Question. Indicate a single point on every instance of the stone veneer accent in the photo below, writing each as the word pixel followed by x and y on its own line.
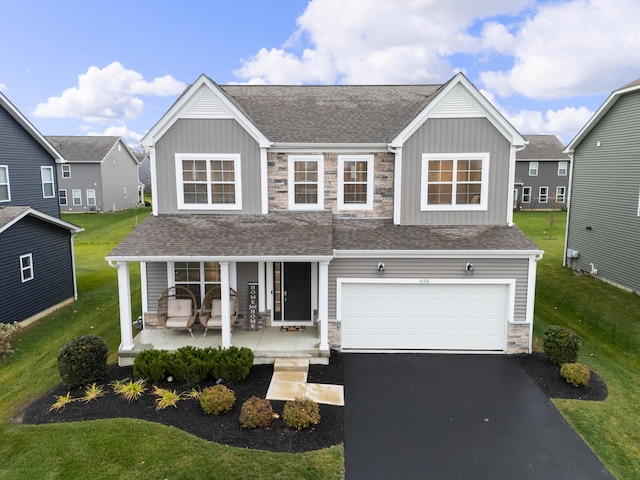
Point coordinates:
pixel 278 174
pixel 518 337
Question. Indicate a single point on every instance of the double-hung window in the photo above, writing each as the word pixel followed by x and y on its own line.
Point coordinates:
pixel 306 182
pixel 355 182
pixel 562 169
pixel 62 197
pixel 91 197
pixel 454 181
pixel 543 197
pixel 533 169
pixel 66 171
pixel 26 267
pixel 526 194
pixel 47 182
pixel 560 194
pixel 76 196
pixel 208 181
pixel 5 191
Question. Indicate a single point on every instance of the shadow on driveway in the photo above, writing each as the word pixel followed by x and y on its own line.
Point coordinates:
pixel 447 416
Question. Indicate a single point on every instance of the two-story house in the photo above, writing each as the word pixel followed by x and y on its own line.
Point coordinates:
pixel 542 174
pixel 100 174
pixel 36 246
pixel 379 217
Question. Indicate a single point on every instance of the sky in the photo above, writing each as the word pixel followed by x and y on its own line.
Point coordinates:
pixel 114 68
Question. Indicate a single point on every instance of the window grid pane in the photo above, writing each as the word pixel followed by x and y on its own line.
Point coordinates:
pixel 305 182
pixel 223 187
pixel 355 182
pixel 466 189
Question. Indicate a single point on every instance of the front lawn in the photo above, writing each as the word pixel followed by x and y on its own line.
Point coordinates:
pixel 608 322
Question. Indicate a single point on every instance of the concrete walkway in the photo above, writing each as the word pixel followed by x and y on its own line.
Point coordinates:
pixel 289 382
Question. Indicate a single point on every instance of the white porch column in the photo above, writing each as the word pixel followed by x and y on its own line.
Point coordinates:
pixel 270 286
pixel 124 299
pixel 226 305
pixel 323 304
pixel 262 288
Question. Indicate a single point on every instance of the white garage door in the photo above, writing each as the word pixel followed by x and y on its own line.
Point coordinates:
pixel 383 316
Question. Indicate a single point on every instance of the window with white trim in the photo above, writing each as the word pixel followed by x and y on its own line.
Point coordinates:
pixel 26 267
pixel 543 196
pixel 62 197
pixel 306 182
pixel 5 190
pixel 562 169
pixel 76 196
pixel 124 192
pixel 533 169
pixel 66 171
pixel 454 181
pixel 560 194
pixel 46 174
pixel 515 194
pixel 355 182
pixel 199 277
pixel 526 194
pixel 91 197
pixel 208 181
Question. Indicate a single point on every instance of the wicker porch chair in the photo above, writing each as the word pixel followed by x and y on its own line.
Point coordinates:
pixel 211 309
pixel 177 309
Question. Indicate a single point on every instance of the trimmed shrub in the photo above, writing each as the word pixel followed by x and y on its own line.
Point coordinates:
pixel 83 361
pixel 576 374
pixel 233 364
pixel 189 364
pixel 561 344
pixel 216 400
pixel 7 330
pixel 152 365
pixel 256 413
pixel 301 413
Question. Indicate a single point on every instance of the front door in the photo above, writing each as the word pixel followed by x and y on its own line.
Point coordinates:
pixel 292 285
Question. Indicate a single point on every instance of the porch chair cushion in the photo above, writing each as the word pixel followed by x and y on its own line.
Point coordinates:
pixel 179 307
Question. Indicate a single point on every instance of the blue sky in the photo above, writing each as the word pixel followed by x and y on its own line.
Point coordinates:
pixel 79 68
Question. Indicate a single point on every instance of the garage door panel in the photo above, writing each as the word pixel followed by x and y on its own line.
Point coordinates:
pixel 416 316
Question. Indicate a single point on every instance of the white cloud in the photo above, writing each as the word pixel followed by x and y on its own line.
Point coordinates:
pixel 3 87
pixel 130 137
pixel 107 94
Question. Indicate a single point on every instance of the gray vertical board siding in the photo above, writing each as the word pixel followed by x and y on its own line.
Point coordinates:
pixel 508 268
pixel 156 283
pixel 207 136
pixel 547 177
pixel 246 272
pixel 52 284
pixel 604 196
pixel 118 171
pixel 24 157
pixel 457 135
pixel 83 176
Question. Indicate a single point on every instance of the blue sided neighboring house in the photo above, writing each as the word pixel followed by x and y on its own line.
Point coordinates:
pixel 36 246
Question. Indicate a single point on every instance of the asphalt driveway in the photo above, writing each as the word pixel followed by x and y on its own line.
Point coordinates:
pixel 446 416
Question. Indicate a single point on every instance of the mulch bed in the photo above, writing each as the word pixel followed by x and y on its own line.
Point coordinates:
pixel 225 428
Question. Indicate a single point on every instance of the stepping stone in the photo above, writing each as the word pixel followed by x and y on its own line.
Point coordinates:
pixel 327 394
pixel 291 365
pixel 287 386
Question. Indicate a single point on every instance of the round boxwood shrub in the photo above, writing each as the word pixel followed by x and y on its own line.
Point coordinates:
pixel 256 413
pixel 216 400
pixel 561 344
pixel 576 374
pixel 233 364
pixel 301 413
pixel 83 361
pixel 152 365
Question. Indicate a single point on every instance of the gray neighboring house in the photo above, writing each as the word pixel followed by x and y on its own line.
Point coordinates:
pixel 100 174
pixel 542 174
pixel 603 225
pixel 379 217
pixel 144 171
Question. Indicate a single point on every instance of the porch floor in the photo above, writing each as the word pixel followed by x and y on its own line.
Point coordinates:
pixel 267 343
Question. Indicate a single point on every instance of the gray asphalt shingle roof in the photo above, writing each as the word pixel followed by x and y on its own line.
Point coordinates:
pixel 9 214
pixel 91 149
pixel 542 147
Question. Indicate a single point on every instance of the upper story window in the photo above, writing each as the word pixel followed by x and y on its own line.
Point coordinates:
pixel 26 267
pixel 533 169
pixel 5 191
pixel 562 169
pixel 306 182
pixel 454 181
pixel 62 197
pixel 355 182
pixel 208 181
pixel 66 171
pixel 47 182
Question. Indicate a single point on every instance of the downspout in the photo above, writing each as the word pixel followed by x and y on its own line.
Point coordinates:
pixel 73 267
pixel 566 232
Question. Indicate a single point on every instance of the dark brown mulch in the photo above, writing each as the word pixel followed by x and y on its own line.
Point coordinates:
pixel 225 429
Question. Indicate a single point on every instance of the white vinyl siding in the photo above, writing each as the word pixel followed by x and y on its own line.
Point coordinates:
pixel 62 197
pixel 454 181
pixel 562 169
pixel 533 169
pixel 26 267
pixel 526 194
pixel 560 194
pixel 543 196
pixel 5 190
pixel 355 182
pixel 76 195
pixel 208 181
pixel 46 174
pixel 306 182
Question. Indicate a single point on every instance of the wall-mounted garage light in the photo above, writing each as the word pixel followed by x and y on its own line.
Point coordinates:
pixel 380 268
pixel 469 268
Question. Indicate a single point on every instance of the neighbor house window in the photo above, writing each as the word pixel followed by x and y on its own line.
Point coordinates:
pixel 562 169
pixel 47 182
pixel 76 196
pixel 355 182
pixel 66 171
pixel 26 267
pixel 560 194
pixel 544 195
pixel 306 182
pixel 62 197
pixel 199 277
pixel 91 197
pixel 124 192
pixel 454 181
pixel 5 191
pixel 209 181
pixel 533 169
pixel 526 194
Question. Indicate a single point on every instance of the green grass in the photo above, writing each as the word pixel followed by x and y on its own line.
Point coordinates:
pixel 119 448
pixel 608 322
